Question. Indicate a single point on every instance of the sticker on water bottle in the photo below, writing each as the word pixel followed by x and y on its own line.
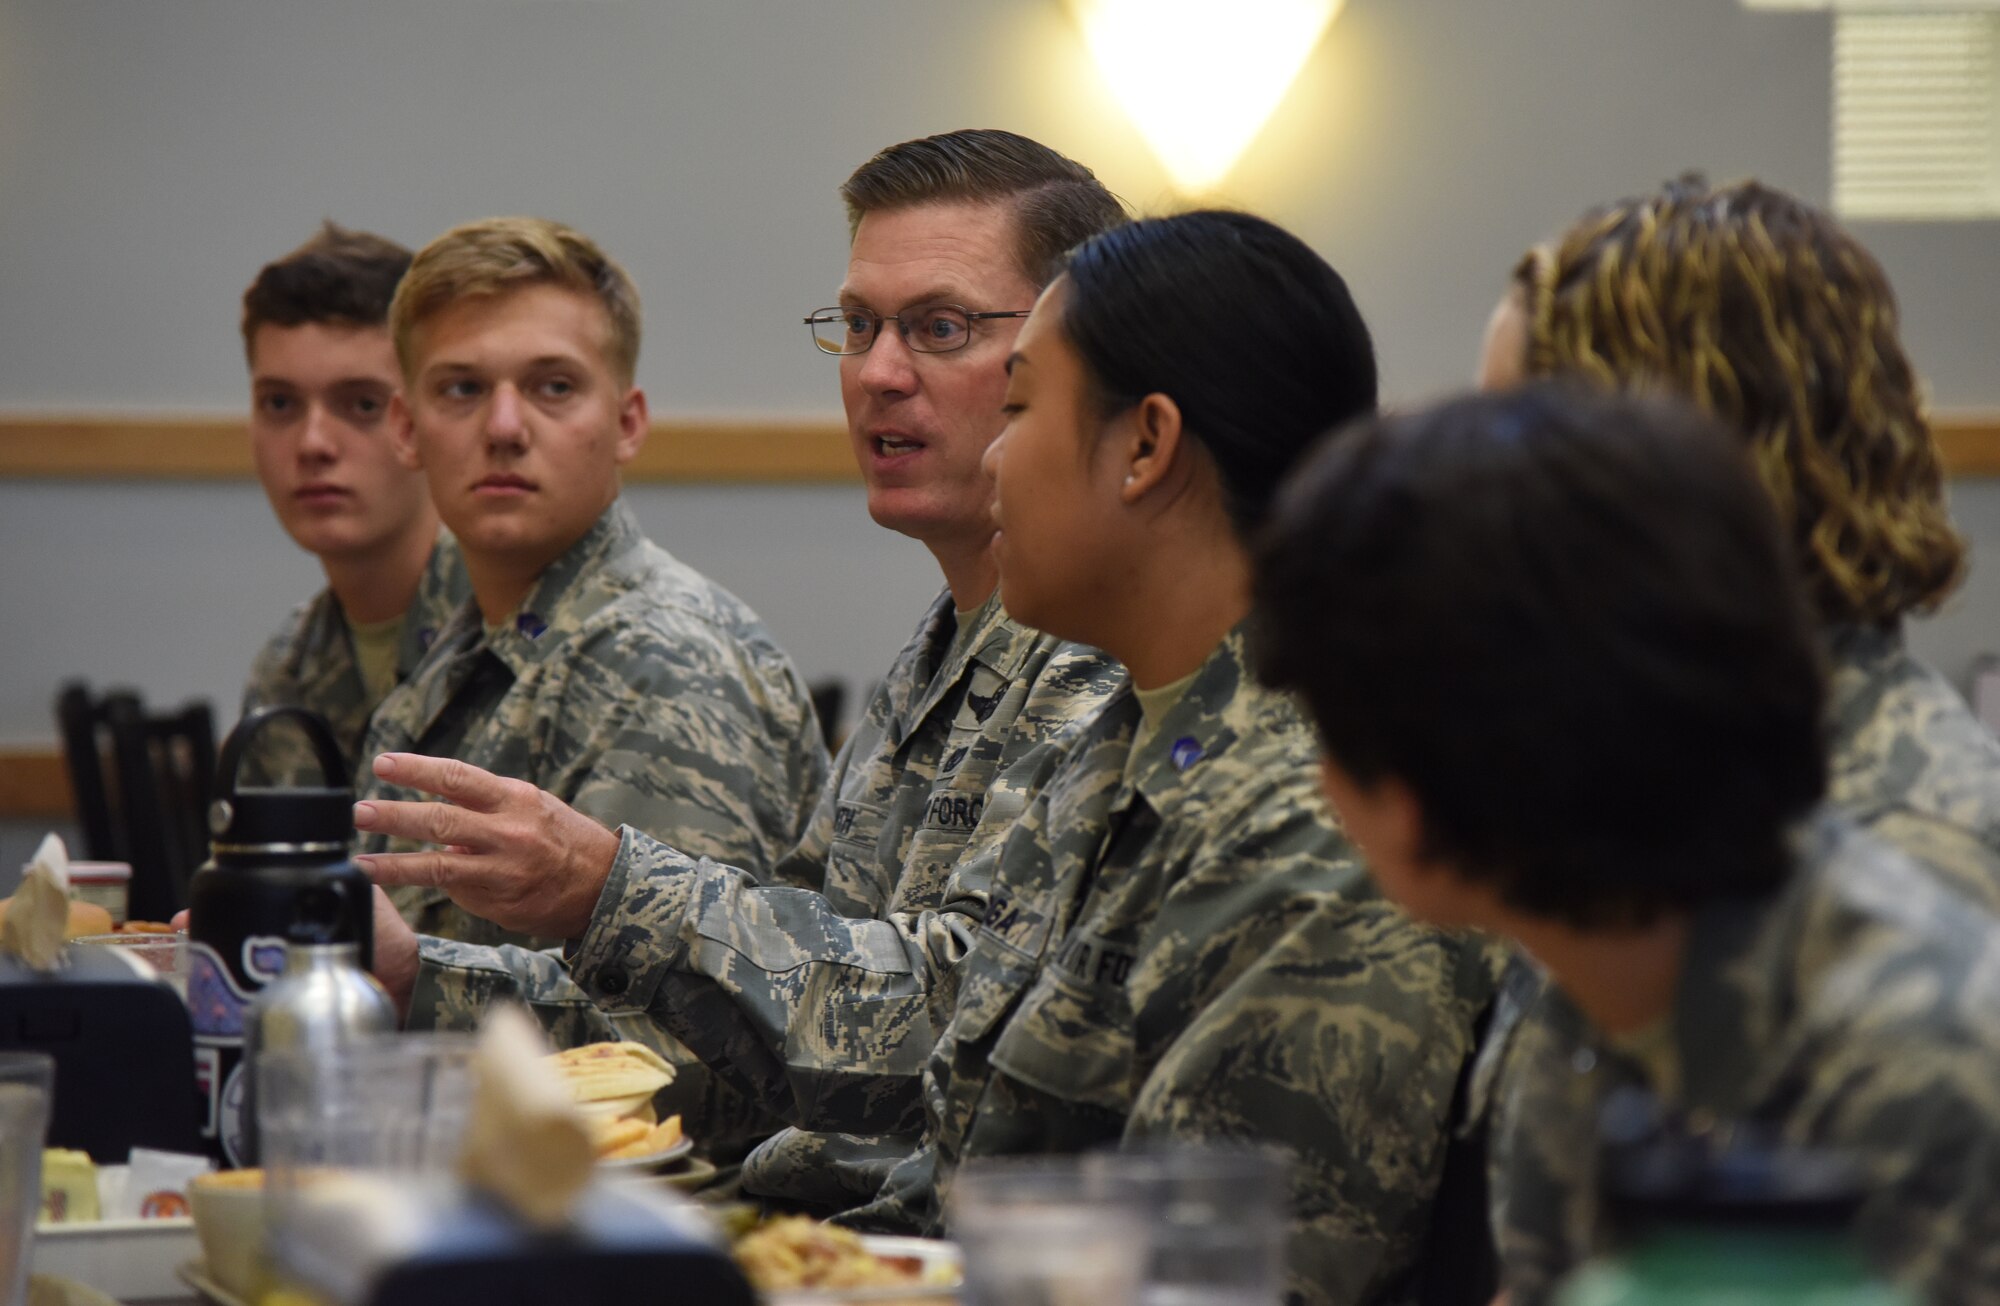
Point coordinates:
pixel 235 1118
pixel 264 958
pixel 207 1078
pixel 218 1006
pixel 216 1002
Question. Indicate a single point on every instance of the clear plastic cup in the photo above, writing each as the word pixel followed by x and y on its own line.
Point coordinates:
pixel 393 1106
pixel 1217 1217
pixel 394 1103
pixel 1037 1232
pixel 167 954
pixel 27 1089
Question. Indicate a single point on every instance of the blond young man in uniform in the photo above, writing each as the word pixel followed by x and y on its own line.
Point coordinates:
pixel 590 669
pixel 322 372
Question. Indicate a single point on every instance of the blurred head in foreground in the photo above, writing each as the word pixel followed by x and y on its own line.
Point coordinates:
pixel 1552 645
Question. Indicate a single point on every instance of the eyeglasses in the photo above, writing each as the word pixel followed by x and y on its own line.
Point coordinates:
pixel 935 330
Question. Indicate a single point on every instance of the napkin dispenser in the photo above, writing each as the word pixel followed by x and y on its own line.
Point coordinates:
pixel 123 1047
pixel 360 1241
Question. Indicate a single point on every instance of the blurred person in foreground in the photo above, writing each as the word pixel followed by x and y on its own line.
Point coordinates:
pixel 1181 944
pixel 322 371
pixel 1772 317
pixel 1554 647
pixel 590 666
pixel 813 983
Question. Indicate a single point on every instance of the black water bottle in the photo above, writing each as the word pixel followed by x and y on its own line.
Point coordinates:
pixel 279 870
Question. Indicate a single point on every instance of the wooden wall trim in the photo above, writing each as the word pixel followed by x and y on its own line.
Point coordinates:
pixel 34 786
pixel 216 448
pixel 678 452
pixel 1970 443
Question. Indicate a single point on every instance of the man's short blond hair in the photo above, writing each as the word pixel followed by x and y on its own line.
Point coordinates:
pixel 495 256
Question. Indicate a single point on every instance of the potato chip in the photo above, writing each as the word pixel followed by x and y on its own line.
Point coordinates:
pixel 651 1143
pixel 609 1136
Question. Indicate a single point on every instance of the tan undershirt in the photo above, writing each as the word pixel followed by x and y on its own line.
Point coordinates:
pixel 375 644
pixel 963 634
pixel 1154 704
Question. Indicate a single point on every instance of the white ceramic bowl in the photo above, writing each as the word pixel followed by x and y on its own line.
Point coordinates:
pixel 229 1220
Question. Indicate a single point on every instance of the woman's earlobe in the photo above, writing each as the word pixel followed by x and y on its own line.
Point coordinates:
pixel 1155 440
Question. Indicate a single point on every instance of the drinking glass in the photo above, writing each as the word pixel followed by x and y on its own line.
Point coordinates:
pixel 27 1088
pixel 1216 1218
pixel 394 1106
pixel 1035 1234
pixel 395 1102
pixel 167 954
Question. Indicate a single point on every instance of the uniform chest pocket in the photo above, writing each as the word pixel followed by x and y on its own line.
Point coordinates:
pixel 989 983
pixel 940 842
pixel 1071 1041
pixel 857 828
pixel 959 793
pixel 951 815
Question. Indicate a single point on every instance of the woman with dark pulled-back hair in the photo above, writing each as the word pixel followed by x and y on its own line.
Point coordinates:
pixel 1181 944
pixel 1771 316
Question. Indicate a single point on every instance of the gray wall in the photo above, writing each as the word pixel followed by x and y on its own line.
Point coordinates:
pixel 154 152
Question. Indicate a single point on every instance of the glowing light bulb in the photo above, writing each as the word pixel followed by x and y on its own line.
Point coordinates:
pixel 1201 77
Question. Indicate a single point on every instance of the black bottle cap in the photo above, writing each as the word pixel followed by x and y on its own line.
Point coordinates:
pixel 302 819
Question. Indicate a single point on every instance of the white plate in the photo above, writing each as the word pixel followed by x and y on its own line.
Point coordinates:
pixel 121 1258
pixel 942 1262
pixel 649 1163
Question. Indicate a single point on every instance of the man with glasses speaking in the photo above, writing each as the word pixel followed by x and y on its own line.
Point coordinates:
pixel 811 989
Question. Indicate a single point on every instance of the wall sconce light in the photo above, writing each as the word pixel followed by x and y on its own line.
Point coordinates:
pixel 1201 77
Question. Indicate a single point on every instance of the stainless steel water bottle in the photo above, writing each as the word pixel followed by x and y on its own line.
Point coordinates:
pixel 279 873
pixel 323 1002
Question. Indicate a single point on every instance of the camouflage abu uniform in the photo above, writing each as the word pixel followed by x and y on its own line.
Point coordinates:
pixel 1181 945
pixel 1859 1008
pixel 627 685
pixel 1910 762
pixel 788 991
pixel 310 663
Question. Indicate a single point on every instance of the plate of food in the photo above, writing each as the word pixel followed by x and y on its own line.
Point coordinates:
pixel 794 1260
pixel 613 1084
pixel 635 1146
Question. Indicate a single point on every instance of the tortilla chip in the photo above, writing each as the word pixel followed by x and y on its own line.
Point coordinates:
pixel 654 1141
pixel 611 1136
pixel 602 1072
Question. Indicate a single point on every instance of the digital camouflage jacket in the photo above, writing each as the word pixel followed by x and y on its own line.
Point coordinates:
pixel 1910 763
pixel 629 686
pixel 309 662
pixel 1181 945
pixel 1858 1009
pixel 813 990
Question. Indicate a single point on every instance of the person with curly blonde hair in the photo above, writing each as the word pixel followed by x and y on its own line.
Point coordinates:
pixel 1769 315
